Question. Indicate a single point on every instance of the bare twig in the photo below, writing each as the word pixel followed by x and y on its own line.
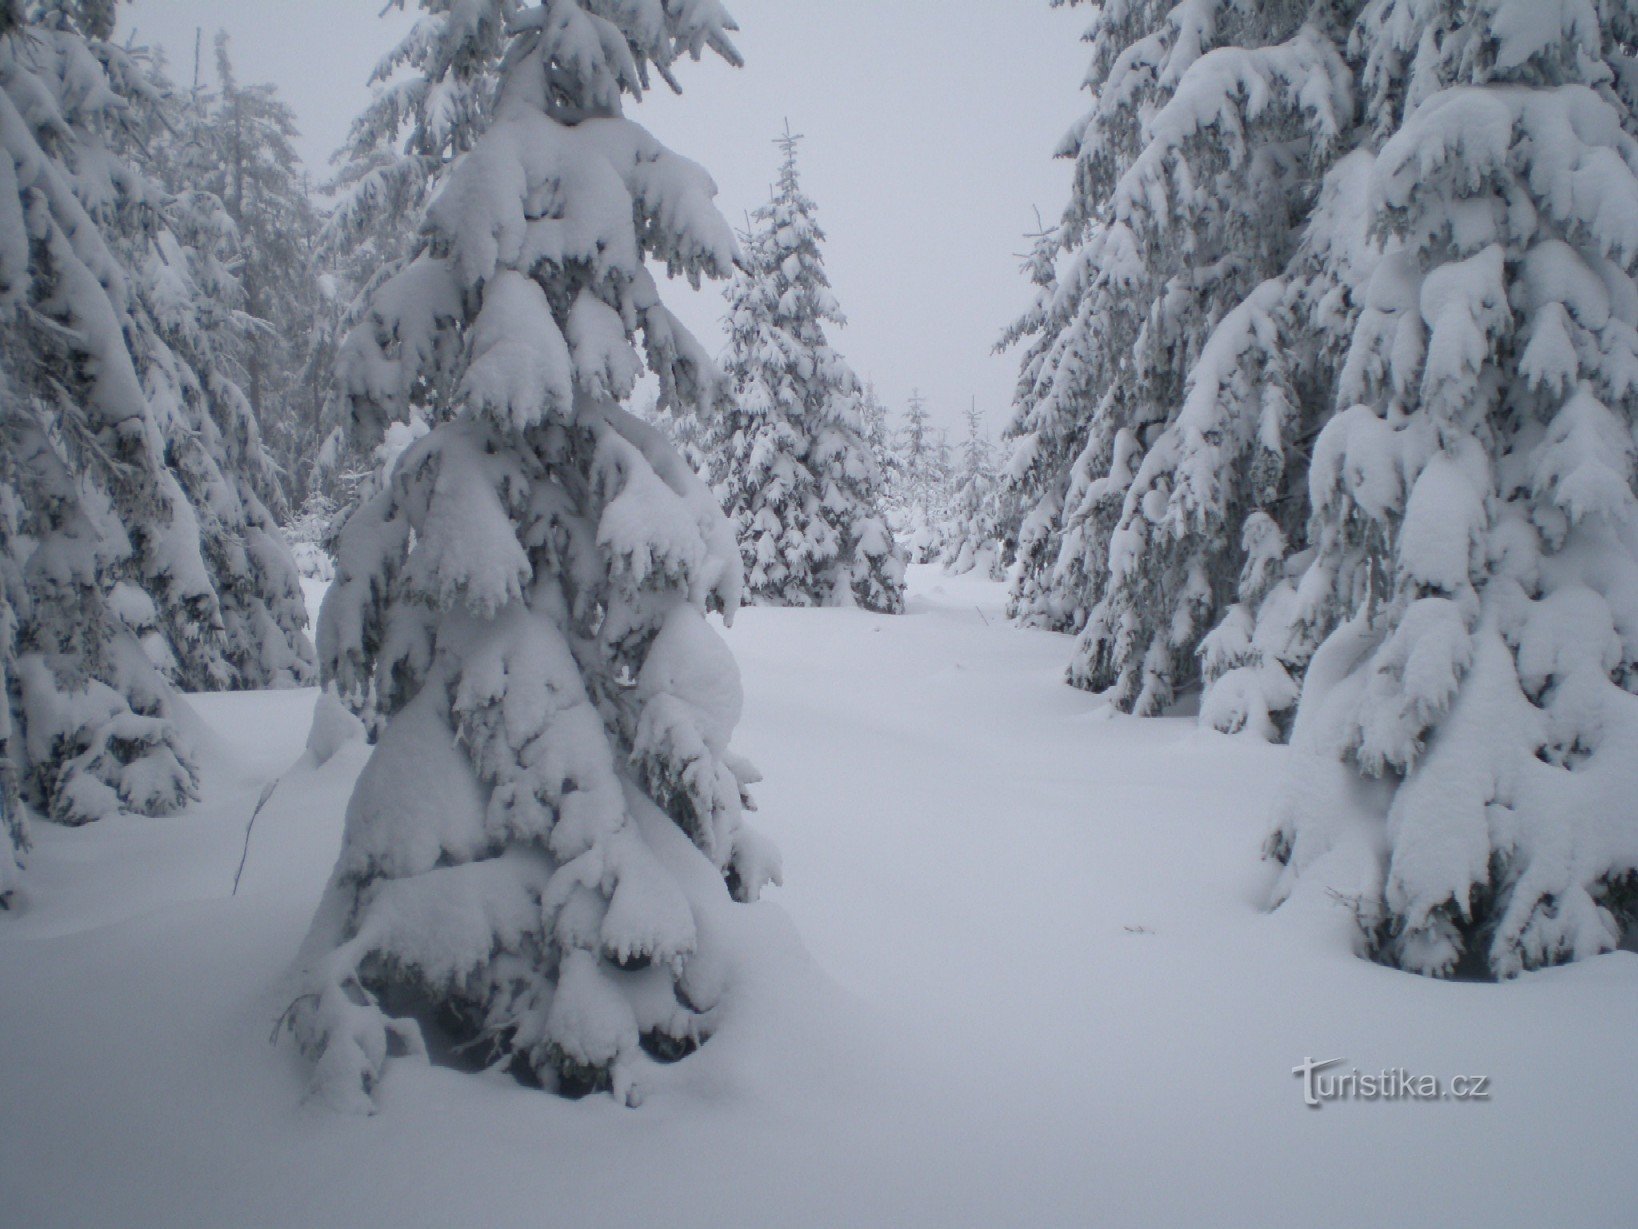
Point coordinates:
pixel 267 792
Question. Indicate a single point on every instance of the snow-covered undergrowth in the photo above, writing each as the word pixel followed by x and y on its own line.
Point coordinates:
pixel 1042 992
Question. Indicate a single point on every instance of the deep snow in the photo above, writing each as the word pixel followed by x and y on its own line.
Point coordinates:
pixel 1042 992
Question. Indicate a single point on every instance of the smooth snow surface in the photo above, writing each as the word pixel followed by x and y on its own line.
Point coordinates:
pixel 1042 994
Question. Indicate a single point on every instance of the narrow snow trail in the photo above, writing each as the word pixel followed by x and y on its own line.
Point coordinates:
pixel 947 804
pixel 1042 992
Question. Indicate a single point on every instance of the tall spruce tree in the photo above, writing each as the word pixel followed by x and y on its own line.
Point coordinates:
pixel 137 549
pixel 1467 736
pixel 552 806
pixel 791 462
pixel 1253 659
pixel 185 261
pixel 1168 341
pixel 924 454
pixel 1040 439
pixel 245 156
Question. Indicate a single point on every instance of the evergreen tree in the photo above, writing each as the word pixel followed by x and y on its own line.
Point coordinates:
pixel 551 814
pixel 873 414
pixel 194 334
pixel 1049 400
pixel 136 547
pixel 923 455
pixel 1197 166
pixel 790 462
pixel 924 465
pixel 1253 659
pixel 686 433
pixel 1467 734
pixel 251 165
pixel 974 511
pixel 254 637
pixel 432 95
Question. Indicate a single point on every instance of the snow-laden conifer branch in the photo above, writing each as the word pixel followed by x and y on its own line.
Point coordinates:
pixel 552 812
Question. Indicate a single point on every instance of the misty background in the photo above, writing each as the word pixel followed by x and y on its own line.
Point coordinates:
pixel 929 127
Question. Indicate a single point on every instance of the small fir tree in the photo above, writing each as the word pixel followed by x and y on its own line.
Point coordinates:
pixel 877 434
pixel 974 513
pixel 924 464
pixel 791 462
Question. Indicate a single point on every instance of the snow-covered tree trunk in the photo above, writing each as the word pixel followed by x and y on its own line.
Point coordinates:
pixel 790 460
pixel 14 834
pixel 552 807
pixel 1467 736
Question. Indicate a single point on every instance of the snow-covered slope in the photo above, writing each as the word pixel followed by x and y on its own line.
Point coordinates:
pixel 1042 993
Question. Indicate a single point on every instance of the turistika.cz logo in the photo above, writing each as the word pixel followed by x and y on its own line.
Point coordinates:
pixel 1321 1084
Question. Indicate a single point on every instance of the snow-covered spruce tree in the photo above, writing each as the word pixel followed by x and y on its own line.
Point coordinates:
pixel 1253 659
pixel 973 512
pixel 924 452
pixel 1467 735
pixel 189 341
pixel 432 95
pixel 238 147
pixel 101 547
pixel 790 461
pixel 1211 126
pixel 915 444
pixel 924 467
pixel 90 714
pixel 685 431
pixel 552 806
pixel 1041 439
pixel 1068 465
pixel 877 434
pixel 134 542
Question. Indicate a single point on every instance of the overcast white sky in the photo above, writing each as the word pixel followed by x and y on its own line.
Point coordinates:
pixel 930 126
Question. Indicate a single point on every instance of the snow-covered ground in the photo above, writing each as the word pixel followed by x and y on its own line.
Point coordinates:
pixel 1042 992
